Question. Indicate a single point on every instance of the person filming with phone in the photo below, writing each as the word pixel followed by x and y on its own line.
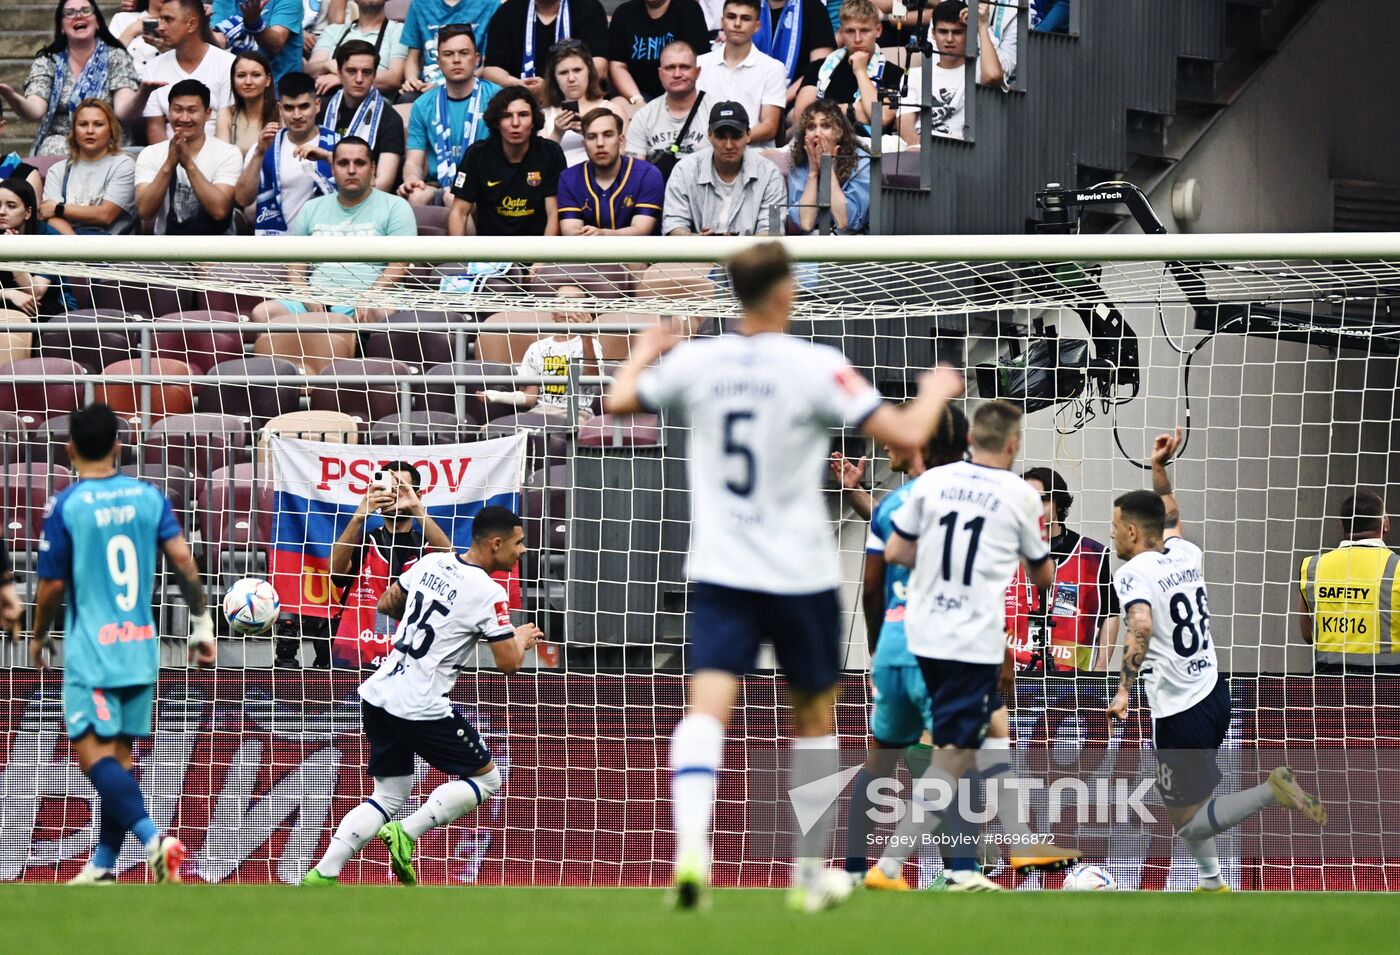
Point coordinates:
pixel 389 530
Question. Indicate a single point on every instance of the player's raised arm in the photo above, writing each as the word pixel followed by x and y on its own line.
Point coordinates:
pixel 910 425
pixel 1163 450
pixel 177 554
pixel 623 396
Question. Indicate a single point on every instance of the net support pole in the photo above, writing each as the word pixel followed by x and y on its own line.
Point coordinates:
pixel 877 175
pixel 146 348
pixel 824 195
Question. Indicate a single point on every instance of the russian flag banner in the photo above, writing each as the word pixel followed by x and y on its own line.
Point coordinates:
pixel 317 486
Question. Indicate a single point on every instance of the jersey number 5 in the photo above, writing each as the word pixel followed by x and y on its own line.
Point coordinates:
pixel 735 448
pixel 417 625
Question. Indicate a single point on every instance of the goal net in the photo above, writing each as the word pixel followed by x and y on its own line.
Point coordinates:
pixel 480 368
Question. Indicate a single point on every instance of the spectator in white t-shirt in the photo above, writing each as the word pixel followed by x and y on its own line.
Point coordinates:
pixel 555 355
pixel 94 189
pixel 185 183
pixel 657 127
pixel 737 72
pixel 948 34
pixel 184 28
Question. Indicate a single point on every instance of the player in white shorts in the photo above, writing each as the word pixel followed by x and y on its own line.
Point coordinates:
pixel 761 405
pixel 1162 590
pixel 446 603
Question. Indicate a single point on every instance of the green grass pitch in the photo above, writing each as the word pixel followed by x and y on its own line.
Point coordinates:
pixel 270 920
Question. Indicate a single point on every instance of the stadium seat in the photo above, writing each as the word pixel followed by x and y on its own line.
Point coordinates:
pixel 620 431
pixel 421 349
pixel 612 280
pixel 256 404
pixel 547 492
pixel 201 350
pixel 197 443
pixel 13 434
pixel 549 433
pixel 507 348
pixel 422 427
pixel 432 220
pixel 137 298
pixel 443 397
pixel 228 277
pixel 234 516
pixel 40 397
pixel 363 402
pixel 397 9
pixel 92 349
pixel 166 398
pixel 42 163
pixel 49 442
pixel 25 491
pixel 177 484
pixel 331 426
pixel 309 350
pixel 676 280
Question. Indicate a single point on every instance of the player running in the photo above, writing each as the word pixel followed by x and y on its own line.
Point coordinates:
pixel 451 603
pixel 964 528
pixel 1163 594
pixel 900 717
pixel 99 543
pixel 761 405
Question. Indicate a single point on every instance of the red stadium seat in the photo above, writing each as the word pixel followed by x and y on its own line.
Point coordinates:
pixel 177 484
pixel 198 443
pixel 200 349
pixel 364 402
pixel 443 397
pixel 137 298
pixel 549 434
pixel 49 442
pixel 166 399
pixel 26 490
pixel 94 350
pixel 40 397
pixel 613 280
pixel 620 431
pixel 43 163
pixel 432 220
pixel 423 427
pixel 234 516
pixel 256 404
pixel 421 350
pixel 309 350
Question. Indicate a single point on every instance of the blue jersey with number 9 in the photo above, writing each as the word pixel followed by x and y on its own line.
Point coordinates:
pixel 102 537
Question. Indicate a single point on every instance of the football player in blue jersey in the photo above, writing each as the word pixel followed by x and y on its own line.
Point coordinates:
pixel 100 543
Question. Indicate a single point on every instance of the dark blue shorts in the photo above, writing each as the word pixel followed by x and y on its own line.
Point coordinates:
pixel 727 626
pixel 450 744
pixel 1187 772
pixel 963 697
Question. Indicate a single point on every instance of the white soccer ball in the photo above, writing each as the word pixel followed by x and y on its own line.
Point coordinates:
pixel 1089 878
pixel 251 606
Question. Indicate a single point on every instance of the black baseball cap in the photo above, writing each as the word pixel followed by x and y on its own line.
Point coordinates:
pixel 731 115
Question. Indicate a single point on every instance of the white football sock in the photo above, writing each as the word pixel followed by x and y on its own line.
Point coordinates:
pixel 355 830
pixel 814 758
pixel 911 834
pixel 697 745
pixel 451 801
pixel 994 763
pixel 1203 851
pixel 1222 813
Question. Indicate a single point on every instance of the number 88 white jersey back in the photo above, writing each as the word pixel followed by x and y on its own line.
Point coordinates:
pixel 1180 669
pixel 451 605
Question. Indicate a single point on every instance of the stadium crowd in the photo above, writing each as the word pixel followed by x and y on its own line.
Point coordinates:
pixel 670 116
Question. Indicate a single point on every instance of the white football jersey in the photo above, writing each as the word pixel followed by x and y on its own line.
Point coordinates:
pixel 973 524
pixel 761 408
pixel 1180 668
pixel 451 605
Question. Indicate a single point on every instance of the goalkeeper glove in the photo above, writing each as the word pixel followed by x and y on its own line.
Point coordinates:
pixel 202 637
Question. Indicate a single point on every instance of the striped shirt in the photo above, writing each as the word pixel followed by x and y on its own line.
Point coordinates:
pixel 638 189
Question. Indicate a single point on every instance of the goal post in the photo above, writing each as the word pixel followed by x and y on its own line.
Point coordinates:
pixel 1279 355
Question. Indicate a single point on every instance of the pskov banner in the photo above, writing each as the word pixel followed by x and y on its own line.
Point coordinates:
pixel 317 487
pixel 252 769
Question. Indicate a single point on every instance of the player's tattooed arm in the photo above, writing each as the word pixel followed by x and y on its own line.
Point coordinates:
pixel 1164 449
pixel 393 602
pixel 1134 656
pixel 177 553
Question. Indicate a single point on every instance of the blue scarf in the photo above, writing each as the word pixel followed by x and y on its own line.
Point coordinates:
pixel 240 38
pixel 91 84
pixel 784 42
pixel 271 219
pixel 365 122
pixel 9 164
pixel 448 156
pixel 561 32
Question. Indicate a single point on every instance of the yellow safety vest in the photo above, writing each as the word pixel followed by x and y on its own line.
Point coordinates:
pixel 1352 591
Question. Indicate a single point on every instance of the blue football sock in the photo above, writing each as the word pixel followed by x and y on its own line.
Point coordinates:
pixel 959 828
pixel 121 797
pixel 109 841
pixel 858 825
